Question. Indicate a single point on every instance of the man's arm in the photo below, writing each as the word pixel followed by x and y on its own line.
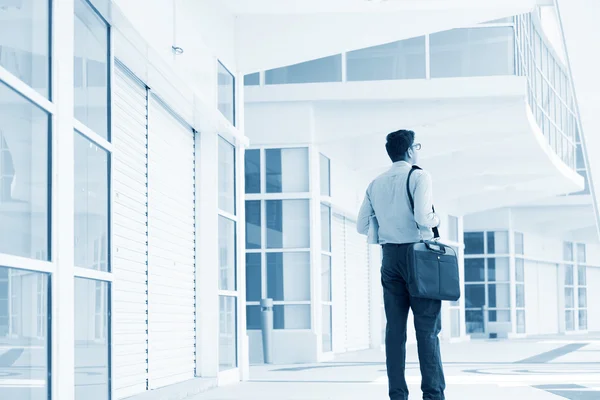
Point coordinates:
pixel 364 215
pixel 424 215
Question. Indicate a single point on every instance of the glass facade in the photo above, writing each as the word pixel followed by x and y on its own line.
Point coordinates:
pixel 226 93
pixel 328 69
pixel 287 170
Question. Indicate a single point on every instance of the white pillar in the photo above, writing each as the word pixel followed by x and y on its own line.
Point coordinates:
pixel 63 198
pixel 315 248
pixel 207 260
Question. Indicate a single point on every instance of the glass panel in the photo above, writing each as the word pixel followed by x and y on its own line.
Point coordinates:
pixel 227 332
pixel 498 269
pixel 25 42
pixel 474 243
pixel 325 169
pixel 453 228
pixel 91 69
pixel 24 334
pixel 582 297
pixel 399 60
pixel 252 79
pixel 325 278
pixel 288 276
pixel 328 69
pixel 497 243
pixel 581 256
pixel 253 224
pixel 91 340
pixel 227 270
pixel 474 321
pixel 520 321
pixel 226 176
pixel 226 83
pixel 253 317
pixel 474 296
pixel 472 52
pixel 580 160
pixel 252 170
pixel 568 251
pixel 569 298
pixel 253 277
pixel 325 228
pixel 499 295
pixel 24 177
pixel 287 170
pixel 291 316
pixel 519 244
pixel 583 324
pixel 474 270
pixel 288 224
pixel 455 322
pixel 327 328
pixel 91 205
pixel 520 270
pixel 569 275
pixel 520 296
pixel 570 320
pixel 499 316
pixel 581 275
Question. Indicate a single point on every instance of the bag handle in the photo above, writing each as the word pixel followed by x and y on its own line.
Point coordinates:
pixel 436 231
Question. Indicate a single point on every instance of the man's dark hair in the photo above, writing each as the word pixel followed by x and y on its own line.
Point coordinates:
pixel 398 143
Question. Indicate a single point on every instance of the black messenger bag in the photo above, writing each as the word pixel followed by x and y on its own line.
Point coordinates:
pixel 432 266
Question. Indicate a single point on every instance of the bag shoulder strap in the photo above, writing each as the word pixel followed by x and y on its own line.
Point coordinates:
pixel 436 232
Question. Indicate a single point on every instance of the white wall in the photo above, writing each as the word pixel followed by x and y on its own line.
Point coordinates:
pixel 542 309
pixel 593 300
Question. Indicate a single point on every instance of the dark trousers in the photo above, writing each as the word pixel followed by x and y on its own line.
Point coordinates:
pixel 427 325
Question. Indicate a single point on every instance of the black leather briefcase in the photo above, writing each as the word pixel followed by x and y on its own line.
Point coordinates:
pixel 432 266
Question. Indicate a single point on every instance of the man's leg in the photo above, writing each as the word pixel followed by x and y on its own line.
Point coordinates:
pixel 428 324
pixel 396 303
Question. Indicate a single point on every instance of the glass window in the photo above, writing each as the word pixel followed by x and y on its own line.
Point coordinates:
pixel 569 298
pixel 294 316
pixel 24 334
pixel 25 42
pixel 520 321
pixel 474 321
pixel 252 170
pixel 582 297
pixel 253 317
pixel 583 324
pixel 325 278
pixel 327 328
pixel 568 251
pixel 569 279
pixel 521 296
pixel 24 177
pixel 499 295
pixel 520 270
pixel 581 275
pixel 91 340
pixel 519 243
pixel 472 52
pixel 474 243
pixel 288 276
pixel 570 320
pixel 325 169
pixel 227 332
pixel 252 79
pixel 453 228
pixel 287 170
pixel 227 268
pixel 91 205
pixel 497 243
pixel 253 277
pixel 328 69
pixel 325 228
pixel 226 95
pixel 499 316
pixel 474 270
pixel 288 224
pixel 226 176
pixel 499 269
pixel 581 256
pixel 253 224
pixel 474 296
pixel 399 60
pixel 91 69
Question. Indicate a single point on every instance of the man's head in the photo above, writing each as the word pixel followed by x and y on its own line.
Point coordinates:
pixel 400 146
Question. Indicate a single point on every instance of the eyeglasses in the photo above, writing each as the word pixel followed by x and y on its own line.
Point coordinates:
pixel 416 146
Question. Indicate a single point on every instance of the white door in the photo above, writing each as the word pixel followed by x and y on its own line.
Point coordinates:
pixel 171 251
pixel 358 289
pixel 338 282
pixel 130 235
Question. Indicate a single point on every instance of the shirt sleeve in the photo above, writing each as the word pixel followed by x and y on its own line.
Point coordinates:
pixel 364 215
pixel 423 197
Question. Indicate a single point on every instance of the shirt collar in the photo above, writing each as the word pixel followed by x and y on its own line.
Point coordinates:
pixel 398 164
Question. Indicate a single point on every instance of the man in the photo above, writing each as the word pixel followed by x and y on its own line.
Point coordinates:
pixel 387 202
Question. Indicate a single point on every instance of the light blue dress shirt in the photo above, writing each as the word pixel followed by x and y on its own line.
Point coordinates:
pixel 386 215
